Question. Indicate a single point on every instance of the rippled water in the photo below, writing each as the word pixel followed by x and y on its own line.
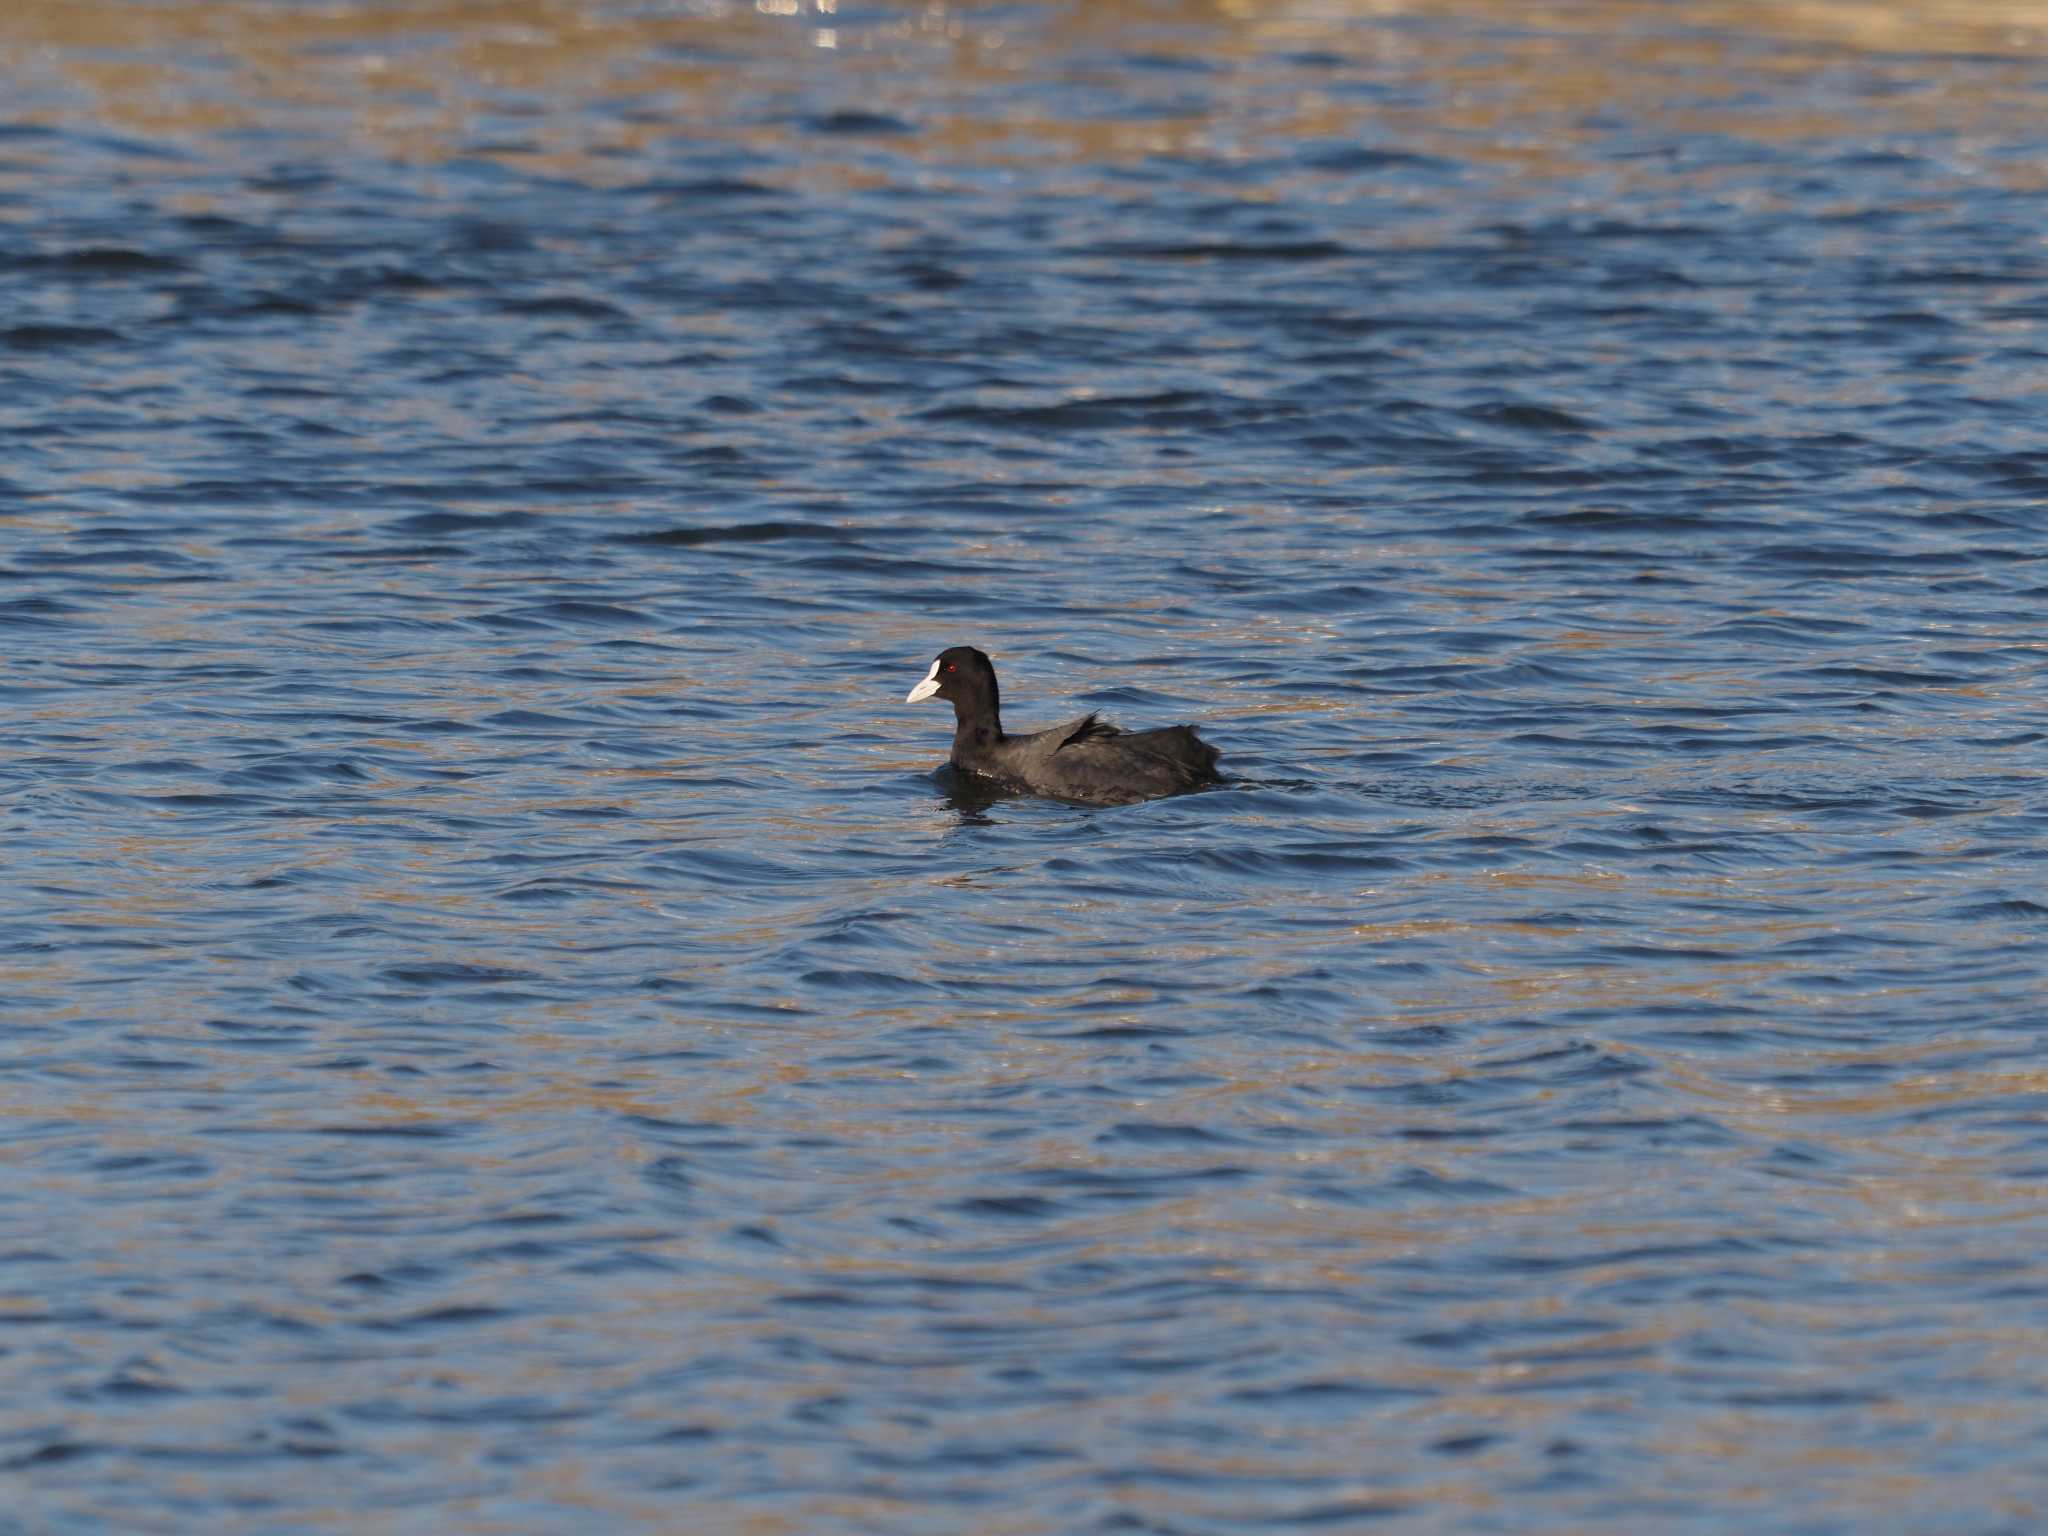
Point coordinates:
pixel 505 1029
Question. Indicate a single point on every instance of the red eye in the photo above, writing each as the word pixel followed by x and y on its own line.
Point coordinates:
pixel 949 666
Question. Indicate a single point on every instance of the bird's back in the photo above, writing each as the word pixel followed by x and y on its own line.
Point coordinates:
pixel 1090 759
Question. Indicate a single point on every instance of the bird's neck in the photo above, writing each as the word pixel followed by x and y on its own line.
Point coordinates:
pixel 975 733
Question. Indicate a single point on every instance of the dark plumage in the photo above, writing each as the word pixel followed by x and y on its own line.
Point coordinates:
pixel 1086 759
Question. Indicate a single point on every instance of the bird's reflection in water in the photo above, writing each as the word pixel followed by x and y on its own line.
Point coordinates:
pixel 970 795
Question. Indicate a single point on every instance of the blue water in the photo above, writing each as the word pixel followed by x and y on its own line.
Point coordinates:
pixel 505 1029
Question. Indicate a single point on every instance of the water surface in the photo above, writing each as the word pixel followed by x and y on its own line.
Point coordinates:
pixel 504 1027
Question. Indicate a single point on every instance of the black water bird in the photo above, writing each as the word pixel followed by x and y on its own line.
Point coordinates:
pixel 1088 759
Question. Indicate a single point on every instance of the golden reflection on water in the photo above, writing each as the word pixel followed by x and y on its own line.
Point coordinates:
pixel 1515 85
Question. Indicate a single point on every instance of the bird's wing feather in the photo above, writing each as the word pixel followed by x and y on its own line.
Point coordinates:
pixel 1089 727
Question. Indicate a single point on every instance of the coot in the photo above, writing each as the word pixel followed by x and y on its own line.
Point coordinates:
pixel 1086 759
